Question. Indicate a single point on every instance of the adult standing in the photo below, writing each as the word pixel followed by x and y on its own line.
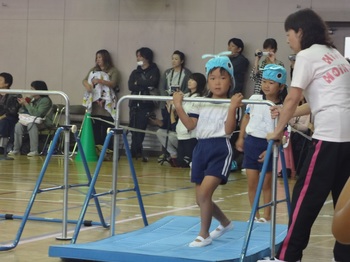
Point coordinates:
pixel 240 65
pixel 177 76
pixel 142 81
pixel 101 84
pixel 263 58
pixel 323 75
pixel 239 62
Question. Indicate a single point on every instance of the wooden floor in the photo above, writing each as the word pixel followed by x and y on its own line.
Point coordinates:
pixel 166 191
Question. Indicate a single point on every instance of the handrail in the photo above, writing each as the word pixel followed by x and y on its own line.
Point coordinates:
pixel 66 155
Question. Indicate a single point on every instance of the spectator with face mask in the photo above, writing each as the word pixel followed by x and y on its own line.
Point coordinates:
pixel 143 81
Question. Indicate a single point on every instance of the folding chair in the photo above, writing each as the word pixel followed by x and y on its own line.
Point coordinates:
pixel 49 132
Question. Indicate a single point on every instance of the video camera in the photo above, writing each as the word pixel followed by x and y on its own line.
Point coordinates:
pixel 173 89
pixel 151 115
pixel 291 57
pixel 260 54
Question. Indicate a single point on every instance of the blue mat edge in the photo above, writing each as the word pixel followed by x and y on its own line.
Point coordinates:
pixel 82 251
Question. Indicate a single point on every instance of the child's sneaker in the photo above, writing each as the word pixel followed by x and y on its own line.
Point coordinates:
pixel 220 230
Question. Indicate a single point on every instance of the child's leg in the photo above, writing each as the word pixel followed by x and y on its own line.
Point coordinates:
pixel 253 180
pixel 267 195
pixel 204 193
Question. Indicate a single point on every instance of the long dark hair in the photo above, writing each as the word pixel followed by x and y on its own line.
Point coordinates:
pixel 39 85
pixel 107 59
pixel 314 29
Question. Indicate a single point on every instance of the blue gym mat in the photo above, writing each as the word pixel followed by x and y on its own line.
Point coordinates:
pixel 168 239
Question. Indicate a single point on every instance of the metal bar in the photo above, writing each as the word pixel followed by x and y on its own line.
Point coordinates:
pixel 66 161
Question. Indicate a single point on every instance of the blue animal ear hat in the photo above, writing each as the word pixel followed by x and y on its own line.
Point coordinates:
pixel 275 73
pixel 219 60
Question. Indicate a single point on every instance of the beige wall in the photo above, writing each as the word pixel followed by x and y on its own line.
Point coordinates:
pixel 56 40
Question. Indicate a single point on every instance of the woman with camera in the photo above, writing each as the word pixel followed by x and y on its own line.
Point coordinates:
pixel 173 79
pixel 262 58
pixel 177 76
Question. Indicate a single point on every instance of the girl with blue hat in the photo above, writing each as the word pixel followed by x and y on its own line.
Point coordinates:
pixel 255 125
pixel 211 161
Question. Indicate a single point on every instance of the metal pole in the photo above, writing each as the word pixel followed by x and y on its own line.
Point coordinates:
pixel 66 146
pixel 169 98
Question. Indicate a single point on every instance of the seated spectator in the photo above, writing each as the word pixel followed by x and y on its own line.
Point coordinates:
pixel 40 106
pixel 166 133
pixel 187 138
pixel 8 112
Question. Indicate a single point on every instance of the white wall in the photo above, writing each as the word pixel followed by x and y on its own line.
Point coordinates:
pixel 56 40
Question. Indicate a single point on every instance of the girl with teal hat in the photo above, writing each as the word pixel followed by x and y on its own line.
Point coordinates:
pixel 255 125
pixel 211 160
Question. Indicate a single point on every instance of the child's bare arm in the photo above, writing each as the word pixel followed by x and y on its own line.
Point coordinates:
pixel 243 125
pixel 189 122
pixel 236 102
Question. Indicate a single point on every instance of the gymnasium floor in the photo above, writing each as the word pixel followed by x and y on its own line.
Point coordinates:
pixel 166 191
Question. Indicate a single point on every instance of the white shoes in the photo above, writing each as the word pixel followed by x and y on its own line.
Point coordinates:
pixel 262 220
pixel 272 259
pixel 33 153
pixel 220 230
pixel 13 153
pixel 201 242
pixel 217 232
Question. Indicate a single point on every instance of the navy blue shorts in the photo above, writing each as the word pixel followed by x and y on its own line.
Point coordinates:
pixel 253 147
pixel 211 157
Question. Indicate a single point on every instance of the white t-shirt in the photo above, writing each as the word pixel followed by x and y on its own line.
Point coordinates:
pixel 211 119
pixel 324 75
pixel 182 132
pixel 260 121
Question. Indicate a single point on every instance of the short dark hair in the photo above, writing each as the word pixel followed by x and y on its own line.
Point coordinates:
pixel 39 85
pixel 181 55
pixel 237 42
pixel 146 53
pixel 315 30
pixel 8 78
pixel 270 43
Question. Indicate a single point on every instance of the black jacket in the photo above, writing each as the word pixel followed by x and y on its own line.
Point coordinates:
pixel 141 81
pixel 9 105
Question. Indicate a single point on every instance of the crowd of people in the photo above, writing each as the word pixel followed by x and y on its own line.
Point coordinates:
pixel 35 106
pixel 319 71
